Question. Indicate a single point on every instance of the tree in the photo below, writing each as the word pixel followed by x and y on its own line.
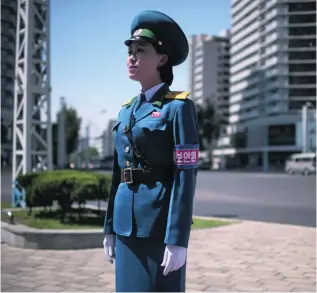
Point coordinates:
pixel 239 141
pixel 72 124
pixel 55 142
pixel 209 123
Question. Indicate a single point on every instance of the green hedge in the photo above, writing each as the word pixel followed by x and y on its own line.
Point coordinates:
pixel 65 187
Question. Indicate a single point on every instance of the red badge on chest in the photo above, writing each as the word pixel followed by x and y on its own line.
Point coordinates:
pixel 156 114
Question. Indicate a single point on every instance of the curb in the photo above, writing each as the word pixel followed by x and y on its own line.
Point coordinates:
pixel 21 236
pixel 218 219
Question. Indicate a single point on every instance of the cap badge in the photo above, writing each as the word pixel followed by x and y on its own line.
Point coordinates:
pixel 137 32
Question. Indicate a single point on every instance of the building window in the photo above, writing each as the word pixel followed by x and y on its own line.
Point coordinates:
pixel 302 80
pixel 302 67
pixel 304 43
pixel 297 105
pixel 307 18
pixel 302 92
pixel 302 31
pixel 301 7
pixel 281 135
pixel 305 55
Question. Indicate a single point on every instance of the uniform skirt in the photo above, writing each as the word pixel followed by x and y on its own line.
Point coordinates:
pixel 138 267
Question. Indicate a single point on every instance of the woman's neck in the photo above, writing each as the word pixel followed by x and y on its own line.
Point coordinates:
pixel 149 85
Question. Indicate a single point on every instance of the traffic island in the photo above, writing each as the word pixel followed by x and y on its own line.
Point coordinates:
pixel 21 236
pixel 51 233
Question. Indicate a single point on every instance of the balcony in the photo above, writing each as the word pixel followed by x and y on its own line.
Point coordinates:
pixel 10 4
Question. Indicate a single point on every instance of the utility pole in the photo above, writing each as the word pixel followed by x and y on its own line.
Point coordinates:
pixel 62 134
pixel 305 128
pixel 104 144
pixel 79 151
pixel 87 141
pixel 32 130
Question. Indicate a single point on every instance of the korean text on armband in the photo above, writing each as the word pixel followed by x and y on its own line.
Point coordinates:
pixel 186 156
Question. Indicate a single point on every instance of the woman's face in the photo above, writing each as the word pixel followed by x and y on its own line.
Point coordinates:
pixel 143 62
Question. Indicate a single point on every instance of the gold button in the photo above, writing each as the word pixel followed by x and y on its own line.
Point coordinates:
pixel 127 149
pixel 127 163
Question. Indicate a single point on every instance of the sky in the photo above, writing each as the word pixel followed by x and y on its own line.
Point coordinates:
pixel 88 55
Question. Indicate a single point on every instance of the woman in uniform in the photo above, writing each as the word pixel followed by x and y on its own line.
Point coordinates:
pixel 149 215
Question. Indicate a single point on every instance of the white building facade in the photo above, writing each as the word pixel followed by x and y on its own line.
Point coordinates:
pixel 209 70
pixel 272 75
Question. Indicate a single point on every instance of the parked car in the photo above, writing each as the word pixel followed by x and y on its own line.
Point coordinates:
pixel 304 163
pixel 204 162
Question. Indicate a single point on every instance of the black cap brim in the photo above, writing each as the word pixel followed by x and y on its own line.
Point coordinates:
pixel 140 39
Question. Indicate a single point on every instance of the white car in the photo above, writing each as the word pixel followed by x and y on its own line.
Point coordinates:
pixel 304 163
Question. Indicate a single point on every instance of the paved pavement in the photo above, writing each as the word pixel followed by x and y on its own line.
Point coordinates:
pixel 247 256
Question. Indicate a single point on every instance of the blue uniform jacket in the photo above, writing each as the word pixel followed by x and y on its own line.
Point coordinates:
pixel 166 132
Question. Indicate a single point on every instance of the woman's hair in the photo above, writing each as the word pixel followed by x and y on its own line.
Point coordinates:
pixel 166 71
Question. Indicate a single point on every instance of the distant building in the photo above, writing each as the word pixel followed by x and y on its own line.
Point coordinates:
pixel 209 69
pixel 8 48
pixel 109 142
pixel 272 75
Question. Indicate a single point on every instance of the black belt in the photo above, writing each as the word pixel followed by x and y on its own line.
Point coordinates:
pixel 142 176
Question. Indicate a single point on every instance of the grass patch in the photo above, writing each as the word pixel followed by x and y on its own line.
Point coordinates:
pixel 6 205
pixel 53 219
pixel 79 219
pixel 200 223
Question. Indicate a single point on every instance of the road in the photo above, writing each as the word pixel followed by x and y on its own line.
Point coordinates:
pixel 276 198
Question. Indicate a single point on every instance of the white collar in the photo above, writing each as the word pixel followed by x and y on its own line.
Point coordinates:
pixel 152 91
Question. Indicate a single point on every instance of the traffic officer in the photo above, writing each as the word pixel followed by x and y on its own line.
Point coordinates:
pixel 149 215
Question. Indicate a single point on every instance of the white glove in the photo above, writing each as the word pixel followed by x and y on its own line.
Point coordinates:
pixel 174 258
pixel 109 244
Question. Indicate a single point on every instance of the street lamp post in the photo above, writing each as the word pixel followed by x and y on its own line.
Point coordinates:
pixel 305 135
pixel 62 152
pixel 305 128
pixel 87 135
pixel 87 143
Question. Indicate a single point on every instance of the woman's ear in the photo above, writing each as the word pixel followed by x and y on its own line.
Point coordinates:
pixel 163 61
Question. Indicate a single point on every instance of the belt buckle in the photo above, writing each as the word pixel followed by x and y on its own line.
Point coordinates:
pixel 127 176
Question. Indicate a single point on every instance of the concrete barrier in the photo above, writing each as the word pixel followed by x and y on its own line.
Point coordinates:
pixel 24 237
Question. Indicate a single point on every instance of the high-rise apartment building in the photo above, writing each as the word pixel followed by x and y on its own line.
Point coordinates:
pixel 272 75
pixel 8 45
pixel 209 69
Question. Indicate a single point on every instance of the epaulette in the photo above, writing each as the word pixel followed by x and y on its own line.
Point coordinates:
pixel 128 102
pixel 174 95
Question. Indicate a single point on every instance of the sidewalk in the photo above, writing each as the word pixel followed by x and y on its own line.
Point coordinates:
pixel 247 256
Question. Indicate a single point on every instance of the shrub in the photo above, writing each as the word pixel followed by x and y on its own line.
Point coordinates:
pixel 65 187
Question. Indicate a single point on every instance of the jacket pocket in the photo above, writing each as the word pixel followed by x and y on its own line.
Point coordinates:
pixel 152 124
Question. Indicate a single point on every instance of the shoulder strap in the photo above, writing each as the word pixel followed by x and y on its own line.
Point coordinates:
pixel 128 102
pixel 177 95
pixel 137 153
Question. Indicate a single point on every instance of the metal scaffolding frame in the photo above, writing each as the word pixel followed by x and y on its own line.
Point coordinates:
pixel 32 131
